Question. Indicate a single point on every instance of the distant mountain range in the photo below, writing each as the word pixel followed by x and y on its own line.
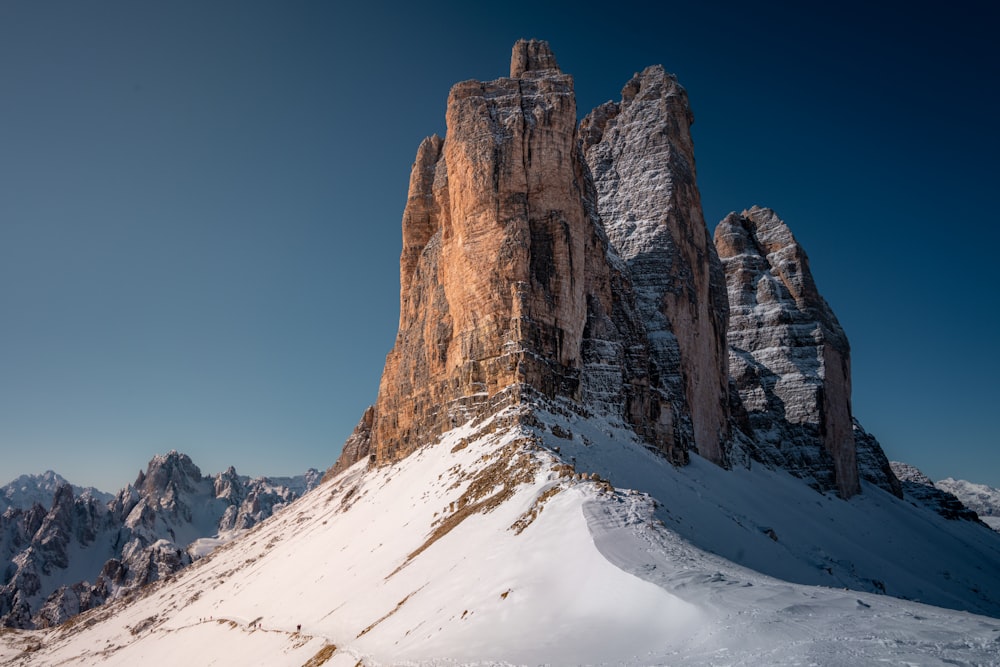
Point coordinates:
pixel 28 490
pixel 65 549
pixel 981 499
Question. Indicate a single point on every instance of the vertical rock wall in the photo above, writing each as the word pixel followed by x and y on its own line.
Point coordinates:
pixel 545 259
pixel 641 157
pixel 507 281
pixel 493 265
pixel 789 357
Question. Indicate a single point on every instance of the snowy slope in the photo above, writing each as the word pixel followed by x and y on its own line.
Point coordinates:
pixel 770 521
pixel 490 550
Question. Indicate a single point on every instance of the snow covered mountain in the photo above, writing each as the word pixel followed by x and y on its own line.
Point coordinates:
pixel 28 490
pixel 600 438
pixel 489 548
pixel 919 488
pixel 89 548
pixel 982 499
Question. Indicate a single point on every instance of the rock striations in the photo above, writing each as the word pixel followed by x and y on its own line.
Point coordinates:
pixel 641 159
pixel 789 357
pixel 546 260
pixel 508 284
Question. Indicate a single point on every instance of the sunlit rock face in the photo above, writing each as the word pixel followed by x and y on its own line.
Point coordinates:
pixel 789 357
pixel 507 282
pixel 542 258
pixel 492 289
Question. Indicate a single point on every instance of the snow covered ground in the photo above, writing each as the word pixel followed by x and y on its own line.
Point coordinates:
pixel 489 550
pixel 772 522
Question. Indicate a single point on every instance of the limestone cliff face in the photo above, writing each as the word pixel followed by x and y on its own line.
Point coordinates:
pixel 545 259
pixel 507 282
pixel 641 157
pixel 789 357
pixel 493 265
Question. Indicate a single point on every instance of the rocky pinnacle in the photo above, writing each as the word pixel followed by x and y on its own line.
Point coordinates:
pixel 789 356
pixel 641 159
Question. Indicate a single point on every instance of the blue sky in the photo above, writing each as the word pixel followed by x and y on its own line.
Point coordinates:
pixel 200 206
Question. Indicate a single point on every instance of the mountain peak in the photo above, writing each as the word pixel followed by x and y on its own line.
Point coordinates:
pixel 531 55
pixel 542 259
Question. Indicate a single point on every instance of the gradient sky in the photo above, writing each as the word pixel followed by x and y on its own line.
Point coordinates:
pixel 200 205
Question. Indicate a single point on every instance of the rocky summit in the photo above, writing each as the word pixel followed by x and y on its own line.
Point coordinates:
pixel 545 258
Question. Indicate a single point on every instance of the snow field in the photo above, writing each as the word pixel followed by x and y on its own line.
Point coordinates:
pixel 415 564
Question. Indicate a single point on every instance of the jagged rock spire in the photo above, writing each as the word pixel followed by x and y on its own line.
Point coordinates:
pixel 531 55
pixel 542 259
pixel 641 159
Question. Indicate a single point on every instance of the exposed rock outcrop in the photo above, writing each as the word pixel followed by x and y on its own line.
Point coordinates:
pixel 641 158
pixel 789 357
pixel 873 466
pixel 507 281
pixel 982 499
pixel 358 445
pixel 919 488
pixel 545 259
pixel 26 490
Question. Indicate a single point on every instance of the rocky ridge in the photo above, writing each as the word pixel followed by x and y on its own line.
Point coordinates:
pixel 920 489
pixel 27 490
pixel 982 499
pixel 548 260
pixel 84 550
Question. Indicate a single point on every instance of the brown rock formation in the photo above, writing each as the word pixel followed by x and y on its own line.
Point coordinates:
pixel 789 357
pixel 542 260
pixel 641 156
pixel 507 284
pixel 493 268
pixel 356 447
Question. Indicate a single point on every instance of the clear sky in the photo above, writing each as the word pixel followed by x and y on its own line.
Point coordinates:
pixel 200 205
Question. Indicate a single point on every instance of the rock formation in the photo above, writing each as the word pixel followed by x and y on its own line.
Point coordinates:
pixel 920 489
pixel 873 466
pixel 982 499
pixel 641 158
pixel 26 490
pixel 546 260
pixel 789 357
pixel 507 282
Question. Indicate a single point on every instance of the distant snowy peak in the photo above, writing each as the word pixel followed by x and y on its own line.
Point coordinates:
pixel 983 500
pixel 27 490
pixel 66 551
pixel 920 488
